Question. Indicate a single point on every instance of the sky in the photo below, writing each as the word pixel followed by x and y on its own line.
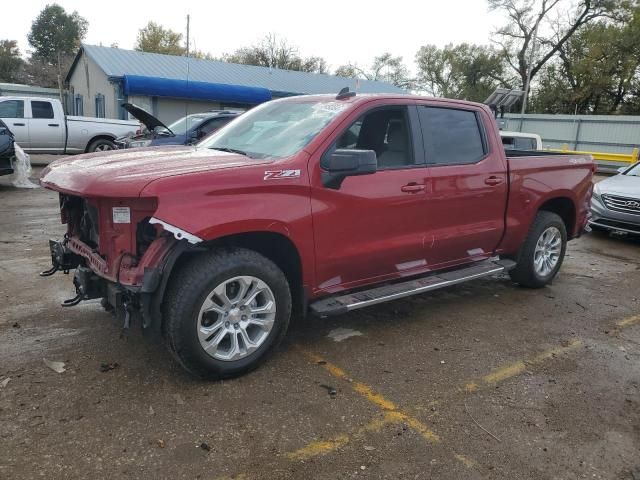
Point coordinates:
pixel 340 31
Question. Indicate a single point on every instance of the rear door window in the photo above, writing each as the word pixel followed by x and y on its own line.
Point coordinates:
pixel 12 109
pixel 451 136
pixel 41 109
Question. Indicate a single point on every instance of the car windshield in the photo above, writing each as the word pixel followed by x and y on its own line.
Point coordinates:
pixel 275 129
pixel 184 124
pixel 635 170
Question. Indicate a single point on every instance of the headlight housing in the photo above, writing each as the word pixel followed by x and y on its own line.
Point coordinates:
pixel 597 193
pixel 139 143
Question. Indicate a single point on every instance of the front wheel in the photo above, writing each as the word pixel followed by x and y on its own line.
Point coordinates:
pixel 225 311
pixel 543 251
pixel 101 145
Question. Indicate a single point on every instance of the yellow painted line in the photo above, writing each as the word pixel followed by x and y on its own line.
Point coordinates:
pixel 466 461
pixel 323 447
pixel 627 322
pixel 501 374
pixel 376 398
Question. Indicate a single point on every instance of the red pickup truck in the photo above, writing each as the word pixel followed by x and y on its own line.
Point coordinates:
pixel 324 203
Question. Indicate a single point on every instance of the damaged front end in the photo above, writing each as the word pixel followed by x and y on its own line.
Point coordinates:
pixel 120 253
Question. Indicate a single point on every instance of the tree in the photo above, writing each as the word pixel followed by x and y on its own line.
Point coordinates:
pixel 463 71
pixel 55 36
pixel 155 38
pixel 596 71
pixel 275 52
pixel 385 68
pixel 11 64
pixel 546 26
pixel 43 74
pixel 55 33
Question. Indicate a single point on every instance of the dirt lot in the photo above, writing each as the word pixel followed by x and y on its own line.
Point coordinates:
pixel 484 380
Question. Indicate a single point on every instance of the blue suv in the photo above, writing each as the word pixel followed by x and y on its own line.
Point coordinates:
pixel 185 131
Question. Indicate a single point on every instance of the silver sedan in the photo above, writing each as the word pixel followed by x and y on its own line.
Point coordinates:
pixel 615 204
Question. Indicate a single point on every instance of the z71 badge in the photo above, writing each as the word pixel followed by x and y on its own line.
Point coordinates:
pixel 280 174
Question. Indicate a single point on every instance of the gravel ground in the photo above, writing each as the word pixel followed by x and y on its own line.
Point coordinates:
pixel 483 380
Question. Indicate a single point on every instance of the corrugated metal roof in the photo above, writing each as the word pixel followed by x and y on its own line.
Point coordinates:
pixel 116 62
pixel 9 88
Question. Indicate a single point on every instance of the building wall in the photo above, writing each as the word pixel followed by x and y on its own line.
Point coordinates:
pixel 89 80
pixel 168 110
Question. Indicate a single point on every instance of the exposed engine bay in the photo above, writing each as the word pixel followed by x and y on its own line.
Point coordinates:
pixel 117 253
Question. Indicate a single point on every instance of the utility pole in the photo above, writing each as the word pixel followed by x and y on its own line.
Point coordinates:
pixel 527 85
pixel 188 35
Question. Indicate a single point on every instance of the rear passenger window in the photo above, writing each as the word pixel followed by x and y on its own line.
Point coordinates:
pixel 41 109
pixel 451 136
pixel 12 109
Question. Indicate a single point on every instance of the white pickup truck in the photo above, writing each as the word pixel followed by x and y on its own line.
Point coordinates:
pixel 520 140
pixel 39 125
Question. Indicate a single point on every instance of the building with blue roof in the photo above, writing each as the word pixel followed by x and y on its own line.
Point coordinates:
pixel 102 78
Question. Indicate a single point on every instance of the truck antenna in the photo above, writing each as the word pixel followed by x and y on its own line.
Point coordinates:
pixel 345 93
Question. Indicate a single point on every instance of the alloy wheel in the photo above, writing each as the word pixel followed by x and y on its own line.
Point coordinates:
pixel 547 252
pixel 236 318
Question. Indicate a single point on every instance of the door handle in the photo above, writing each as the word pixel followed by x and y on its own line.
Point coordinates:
pixel 19 124
pixel 412 188
pixel 493 180
pixel 54 124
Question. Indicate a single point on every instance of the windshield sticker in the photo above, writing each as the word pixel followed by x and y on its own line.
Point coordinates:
pixel 331 107
pixel 279 174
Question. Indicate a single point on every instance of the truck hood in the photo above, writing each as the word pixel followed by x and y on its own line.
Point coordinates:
pixel 625 185
pixel 125 173
pixel 145 117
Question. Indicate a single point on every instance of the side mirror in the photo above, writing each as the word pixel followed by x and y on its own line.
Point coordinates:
pixel 342 163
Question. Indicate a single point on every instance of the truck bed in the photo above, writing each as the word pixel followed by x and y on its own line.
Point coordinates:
pixel 532 174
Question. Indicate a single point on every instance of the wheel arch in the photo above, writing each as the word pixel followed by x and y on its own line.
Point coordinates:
pixel 565 208
pixel 275 246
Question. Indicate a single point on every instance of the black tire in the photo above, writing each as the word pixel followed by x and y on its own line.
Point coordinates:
pixel 525 273
pixel 101 144
pixel 188 288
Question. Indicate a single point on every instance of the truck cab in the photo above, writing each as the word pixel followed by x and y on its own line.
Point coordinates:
pixel 40 116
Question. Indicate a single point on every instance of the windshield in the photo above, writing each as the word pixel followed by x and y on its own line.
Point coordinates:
pixel 184 124
pixel 635 170
pixel 275 129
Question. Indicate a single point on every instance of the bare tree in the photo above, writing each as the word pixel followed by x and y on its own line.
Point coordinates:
pixel 553 22
pixel 385 68
pixel 275 52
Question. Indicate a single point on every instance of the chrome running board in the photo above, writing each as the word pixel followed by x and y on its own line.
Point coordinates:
pixel 352 301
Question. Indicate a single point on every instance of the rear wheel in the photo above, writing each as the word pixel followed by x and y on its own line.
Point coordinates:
pixel 225 311
pixel 543 251
pixel 101 145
